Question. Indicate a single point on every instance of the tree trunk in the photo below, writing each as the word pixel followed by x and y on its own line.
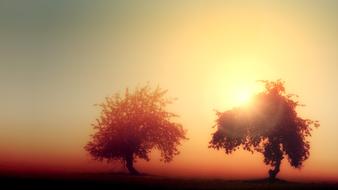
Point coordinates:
pixel 273 173
pixel 130 165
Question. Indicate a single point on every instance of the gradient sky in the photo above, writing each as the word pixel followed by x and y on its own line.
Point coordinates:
pixel 59 58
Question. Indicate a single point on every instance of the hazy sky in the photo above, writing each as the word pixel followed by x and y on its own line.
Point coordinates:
pixel 59 58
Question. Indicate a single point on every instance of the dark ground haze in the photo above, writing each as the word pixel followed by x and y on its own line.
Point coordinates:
pixel 124 181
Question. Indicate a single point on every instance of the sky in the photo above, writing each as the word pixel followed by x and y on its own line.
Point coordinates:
pixel 59 58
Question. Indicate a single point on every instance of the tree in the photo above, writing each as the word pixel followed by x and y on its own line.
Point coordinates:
pixel 130 126
pixel 269 125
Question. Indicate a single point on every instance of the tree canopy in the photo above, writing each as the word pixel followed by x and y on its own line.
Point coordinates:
pixel 269 125
pixel 132 124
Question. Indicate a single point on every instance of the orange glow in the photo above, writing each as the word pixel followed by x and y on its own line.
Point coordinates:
pixel 208 55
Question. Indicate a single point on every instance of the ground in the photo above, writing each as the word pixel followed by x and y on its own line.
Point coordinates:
pixel 124 181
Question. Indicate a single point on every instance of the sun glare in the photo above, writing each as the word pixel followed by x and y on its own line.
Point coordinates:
pixel 243 96
pixel 241 93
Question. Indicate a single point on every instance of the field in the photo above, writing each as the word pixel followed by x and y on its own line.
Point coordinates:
pixel 123 181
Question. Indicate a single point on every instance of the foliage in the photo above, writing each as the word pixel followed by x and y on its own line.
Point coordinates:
pixel 269 125
pixel 131 125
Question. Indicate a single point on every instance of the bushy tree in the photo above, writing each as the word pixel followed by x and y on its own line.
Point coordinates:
pixel 269 125
pixel 133 124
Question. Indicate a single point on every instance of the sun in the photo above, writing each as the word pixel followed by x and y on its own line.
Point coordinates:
pixel 238 93
pixel 242 96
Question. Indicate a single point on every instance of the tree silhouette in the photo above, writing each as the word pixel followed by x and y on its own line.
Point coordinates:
pixel 130 126
pixel 269 125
